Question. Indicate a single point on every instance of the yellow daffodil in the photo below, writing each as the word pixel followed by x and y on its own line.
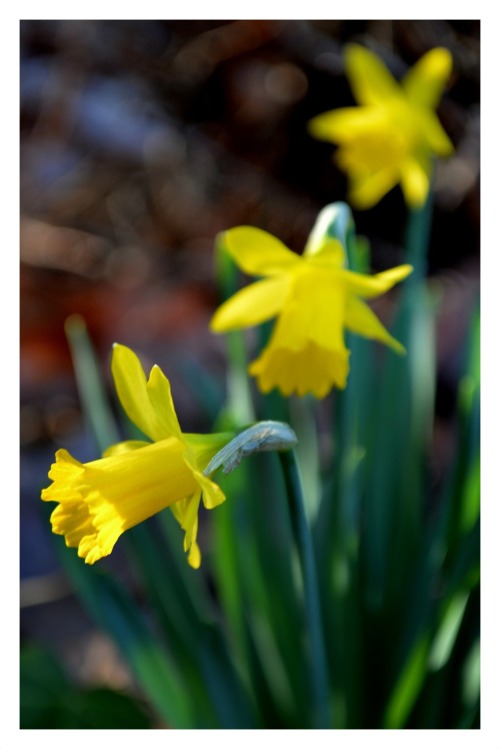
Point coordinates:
pixel 393 135
pixel 315 298
pixel 98 501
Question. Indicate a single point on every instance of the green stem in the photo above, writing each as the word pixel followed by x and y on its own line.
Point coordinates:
pixel 239 395
pixel 418 230
pixel 318 675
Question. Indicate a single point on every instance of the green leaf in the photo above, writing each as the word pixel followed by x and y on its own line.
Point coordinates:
pixel 114 611
pixel 446 635
pixel 408 686
pixel 252 557
pixel 188 624
pixel 92 392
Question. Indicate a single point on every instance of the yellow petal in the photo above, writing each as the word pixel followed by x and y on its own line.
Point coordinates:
pixel 434 135
pixel 252 305
pixel 346 123
pixel 415 180
pixel 372 286
pixel 212 494
pixel 194 556
pixel 257 252
pixel 360 319
pixel 425 81
pixel 162 403
pixel 187 515
pixel 369 78
pixel 366 190
pixel 148 404
pixel 190 518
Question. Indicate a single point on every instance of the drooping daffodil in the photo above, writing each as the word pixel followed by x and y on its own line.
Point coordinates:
pixel 393 135
pixel 314 297
pixel 134 480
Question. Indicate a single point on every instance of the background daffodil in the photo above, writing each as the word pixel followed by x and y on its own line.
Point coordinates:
pixel 392 136
pixel 98 501
pixel 315 297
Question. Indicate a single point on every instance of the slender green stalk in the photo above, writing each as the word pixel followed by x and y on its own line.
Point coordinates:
pixel 239 396
pixel 418 229
pixel 318 675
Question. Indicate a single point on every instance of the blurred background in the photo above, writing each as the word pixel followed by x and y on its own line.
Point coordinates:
pixel 140 141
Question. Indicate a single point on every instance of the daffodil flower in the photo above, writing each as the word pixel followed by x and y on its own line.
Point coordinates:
pixel 134 480
pixel 394 133
pixel 314 296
